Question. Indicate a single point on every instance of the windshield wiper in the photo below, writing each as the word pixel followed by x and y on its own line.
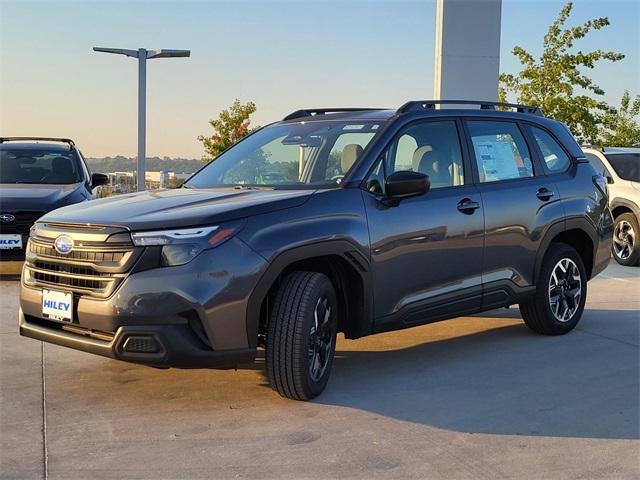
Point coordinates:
pixel 253 187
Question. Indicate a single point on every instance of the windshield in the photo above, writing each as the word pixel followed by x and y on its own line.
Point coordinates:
pixel 39 166
pixel 626 165
pixel 317 153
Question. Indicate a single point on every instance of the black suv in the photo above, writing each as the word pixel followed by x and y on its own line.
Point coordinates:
pixel 37 176
pixel 358 221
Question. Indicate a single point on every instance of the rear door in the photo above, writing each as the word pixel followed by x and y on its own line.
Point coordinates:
pixel 520 202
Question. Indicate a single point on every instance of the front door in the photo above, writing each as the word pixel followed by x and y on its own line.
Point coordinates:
pixel 426 250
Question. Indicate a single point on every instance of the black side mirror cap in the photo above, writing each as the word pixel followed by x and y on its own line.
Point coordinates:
pixel 98 179
pixel 609 179
pixel 405 183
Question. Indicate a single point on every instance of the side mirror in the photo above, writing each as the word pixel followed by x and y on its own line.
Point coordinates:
pixel 98 179
pixel 609 179
pixel 406 183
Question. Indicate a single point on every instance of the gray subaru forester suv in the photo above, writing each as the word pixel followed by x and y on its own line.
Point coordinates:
pixel 358 221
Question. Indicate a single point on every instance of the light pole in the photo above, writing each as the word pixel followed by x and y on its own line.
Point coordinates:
pixel 142 55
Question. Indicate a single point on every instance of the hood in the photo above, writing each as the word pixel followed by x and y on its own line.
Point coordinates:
pixel 38 197
pixel 182 207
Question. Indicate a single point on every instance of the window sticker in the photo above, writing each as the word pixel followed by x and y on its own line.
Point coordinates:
pixel 497 157
pixel 353 127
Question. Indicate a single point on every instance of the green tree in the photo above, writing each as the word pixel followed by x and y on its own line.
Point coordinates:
pixel 554 81
pixel 621 127
pixel 231 126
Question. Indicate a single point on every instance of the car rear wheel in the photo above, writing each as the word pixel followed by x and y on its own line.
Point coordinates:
pixel 561 292
pixel 301 336
pixel 626 243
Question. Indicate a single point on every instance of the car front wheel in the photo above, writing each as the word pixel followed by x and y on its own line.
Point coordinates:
pixel 561 292
pixel 301 336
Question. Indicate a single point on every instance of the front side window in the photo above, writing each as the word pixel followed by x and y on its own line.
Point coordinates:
pixel 305 154
pixel 626 165
pixel 30 166
pixel 432 148
pixel 554 156
pixel 500 150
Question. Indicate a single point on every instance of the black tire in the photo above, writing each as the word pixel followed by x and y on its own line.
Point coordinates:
pixel 626 240
pixel 538 313
pixel 290 335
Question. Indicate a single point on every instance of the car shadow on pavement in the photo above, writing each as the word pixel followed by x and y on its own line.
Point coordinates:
pixel 505 381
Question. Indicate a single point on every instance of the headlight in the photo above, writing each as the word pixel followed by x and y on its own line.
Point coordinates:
pixel 183 245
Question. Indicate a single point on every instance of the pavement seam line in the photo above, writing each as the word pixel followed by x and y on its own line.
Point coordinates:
pixel 608 338
pixel 45 452
pixel 609 277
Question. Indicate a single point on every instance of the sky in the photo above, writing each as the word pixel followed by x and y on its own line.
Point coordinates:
pixel 281 55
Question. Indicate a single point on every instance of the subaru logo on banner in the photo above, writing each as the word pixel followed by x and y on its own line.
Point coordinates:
pixel 7 218
pixel 63 244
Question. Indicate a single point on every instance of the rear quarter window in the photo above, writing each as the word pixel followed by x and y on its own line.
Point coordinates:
pixel 555 158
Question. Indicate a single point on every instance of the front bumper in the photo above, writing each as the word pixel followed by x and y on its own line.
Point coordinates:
pixel 155 345
pixel 188 316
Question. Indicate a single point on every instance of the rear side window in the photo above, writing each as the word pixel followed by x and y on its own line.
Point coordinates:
pixel 554 156
pixel 500 150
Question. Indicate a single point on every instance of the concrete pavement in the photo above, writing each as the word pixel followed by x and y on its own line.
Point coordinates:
pixel 475 397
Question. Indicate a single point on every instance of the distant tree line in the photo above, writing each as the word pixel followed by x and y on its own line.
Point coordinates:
pixel 124 164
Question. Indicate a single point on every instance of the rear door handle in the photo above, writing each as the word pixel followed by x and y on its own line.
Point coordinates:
pixel 544 194
pixel 468 206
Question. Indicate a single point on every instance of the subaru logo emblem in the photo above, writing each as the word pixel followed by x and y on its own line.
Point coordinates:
pixel 63 244
pixel 7 218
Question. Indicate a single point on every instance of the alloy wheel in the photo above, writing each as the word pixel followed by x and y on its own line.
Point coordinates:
pixel 565 290
pixel 623 240
pixel 320 339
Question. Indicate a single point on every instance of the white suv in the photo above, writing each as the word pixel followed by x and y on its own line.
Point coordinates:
pixel 621 167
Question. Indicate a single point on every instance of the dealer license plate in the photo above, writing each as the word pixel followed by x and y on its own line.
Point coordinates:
pixel 10 241
pixel 57 305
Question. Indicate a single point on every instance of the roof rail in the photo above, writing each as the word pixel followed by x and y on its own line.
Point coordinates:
pixel 41 139
pixel 307 112
pixel 430 104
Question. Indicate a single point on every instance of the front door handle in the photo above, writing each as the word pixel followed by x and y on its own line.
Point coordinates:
pixel 468 206
pixel 544 194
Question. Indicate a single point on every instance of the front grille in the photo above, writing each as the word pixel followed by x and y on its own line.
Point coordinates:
pixel 79 277
pixel 22 223
pixel 89 256
pixel 99 261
